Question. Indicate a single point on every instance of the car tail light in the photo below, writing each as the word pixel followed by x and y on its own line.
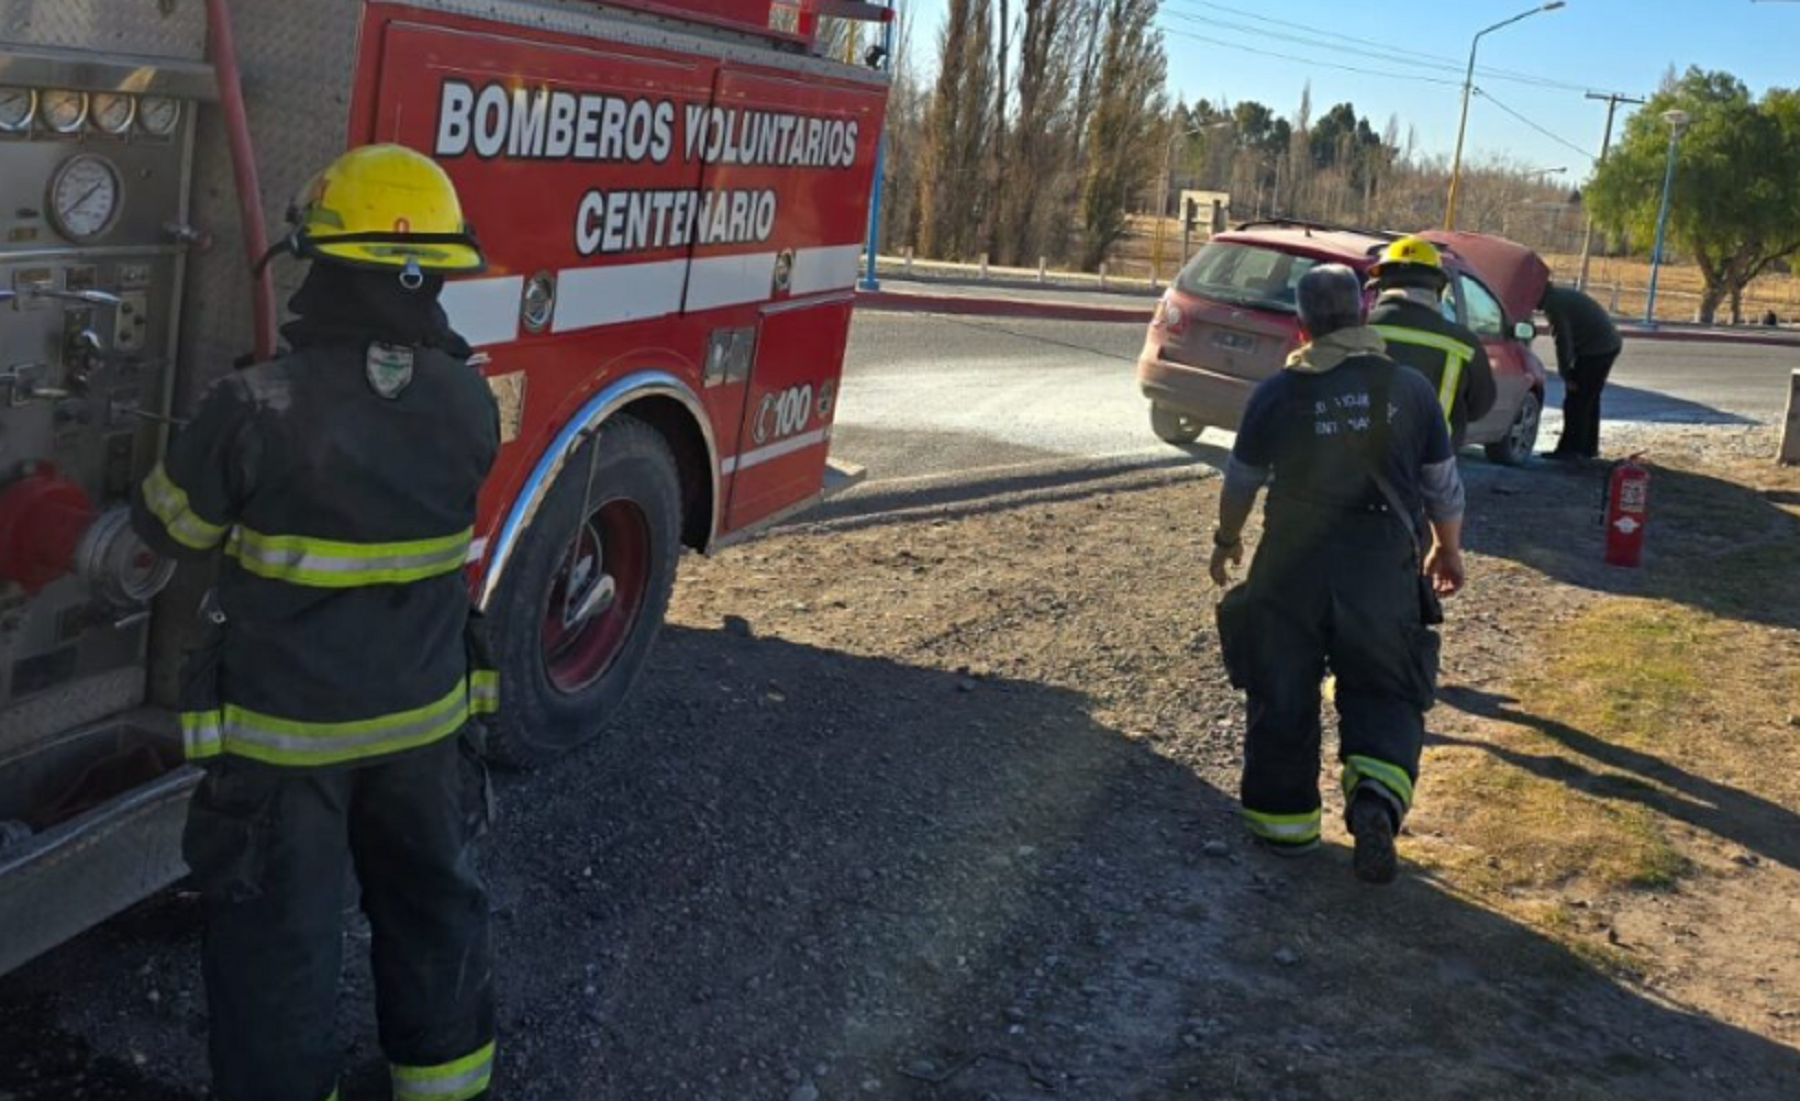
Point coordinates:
pixel 1171 318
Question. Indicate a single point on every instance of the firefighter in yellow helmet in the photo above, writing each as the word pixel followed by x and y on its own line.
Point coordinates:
pixel 1421 331
pixel 336 707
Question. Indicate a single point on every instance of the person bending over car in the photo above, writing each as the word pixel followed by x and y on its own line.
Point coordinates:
pixel 1587 345
pixel 1357 455
pixel 1409 282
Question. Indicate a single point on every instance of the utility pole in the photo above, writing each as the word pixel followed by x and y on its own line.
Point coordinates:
pixel 1587 243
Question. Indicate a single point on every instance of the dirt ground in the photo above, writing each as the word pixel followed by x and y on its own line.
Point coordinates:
pixel 940 807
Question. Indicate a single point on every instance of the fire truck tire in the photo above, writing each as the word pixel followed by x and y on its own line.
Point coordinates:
pixel 1173 427
pixel 567 662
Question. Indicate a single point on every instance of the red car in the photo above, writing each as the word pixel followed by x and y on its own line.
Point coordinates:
pixel 1228 322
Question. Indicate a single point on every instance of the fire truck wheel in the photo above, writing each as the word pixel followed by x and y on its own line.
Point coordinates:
pixel 580 606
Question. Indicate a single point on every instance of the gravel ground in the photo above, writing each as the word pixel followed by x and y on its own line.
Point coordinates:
pixel 940 806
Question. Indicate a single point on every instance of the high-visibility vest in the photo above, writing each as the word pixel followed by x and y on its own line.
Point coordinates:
pixel 1456 358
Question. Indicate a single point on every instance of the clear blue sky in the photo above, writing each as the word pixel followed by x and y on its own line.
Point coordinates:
pixel 1602 45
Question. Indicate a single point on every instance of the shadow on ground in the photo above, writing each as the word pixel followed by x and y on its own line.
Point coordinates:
pixel 794 865
pixel 1711 544
pixel 1757 824
pixel 1629 404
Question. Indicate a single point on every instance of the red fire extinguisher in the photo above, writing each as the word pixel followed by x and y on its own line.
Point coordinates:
pixel 1627 513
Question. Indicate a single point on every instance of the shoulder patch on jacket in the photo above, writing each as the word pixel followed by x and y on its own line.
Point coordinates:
pixel 389 368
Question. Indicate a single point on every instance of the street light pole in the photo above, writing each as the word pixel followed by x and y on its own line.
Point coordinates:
pixel 1162 193
pixel 869 281
pixel 1462 127
pixel 1677 121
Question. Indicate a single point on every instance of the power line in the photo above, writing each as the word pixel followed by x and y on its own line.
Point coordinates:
pixel 1382 51
pixel 1309 42
pixel 1557 138
pixel 1310 61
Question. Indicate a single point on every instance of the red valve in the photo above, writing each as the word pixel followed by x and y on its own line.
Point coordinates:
pixel 42 519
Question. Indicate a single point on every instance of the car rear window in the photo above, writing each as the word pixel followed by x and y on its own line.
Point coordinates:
pixel 1245 275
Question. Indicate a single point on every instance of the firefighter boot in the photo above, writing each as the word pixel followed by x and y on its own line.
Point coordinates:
pixel 1372 823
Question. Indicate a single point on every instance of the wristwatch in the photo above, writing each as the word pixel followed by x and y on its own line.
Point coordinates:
pixel 1223 543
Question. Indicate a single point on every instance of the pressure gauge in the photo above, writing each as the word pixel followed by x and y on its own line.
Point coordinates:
pixel 158 115
pixel 18 106
pixel 113 112
pixel 85 196
pixel 65 112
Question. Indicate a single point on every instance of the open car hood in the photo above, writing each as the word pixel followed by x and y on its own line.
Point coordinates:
pixel 1512 271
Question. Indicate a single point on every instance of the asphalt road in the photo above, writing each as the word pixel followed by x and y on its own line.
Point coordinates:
pixel 930 398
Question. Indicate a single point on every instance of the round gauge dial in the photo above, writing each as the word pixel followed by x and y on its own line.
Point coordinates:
pixel 85 197
pixel 64 112
pixel 18 106
pixel 113 112
pixel 159 114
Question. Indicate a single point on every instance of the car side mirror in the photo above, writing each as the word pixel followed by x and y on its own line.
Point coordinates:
pixel 1525 331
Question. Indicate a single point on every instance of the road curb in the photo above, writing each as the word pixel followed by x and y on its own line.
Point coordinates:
pixel 969 306
pixel 954 497
pixel 1669 335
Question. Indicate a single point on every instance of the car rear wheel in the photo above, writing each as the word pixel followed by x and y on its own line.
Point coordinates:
pixel 1520 441
pixel 1173 427
pixel 584 597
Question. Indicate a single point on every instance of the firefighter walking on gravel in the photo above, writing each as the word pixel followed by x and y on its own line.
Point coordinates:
pixel 335 707
pixel 1357 455
pixel 1409 282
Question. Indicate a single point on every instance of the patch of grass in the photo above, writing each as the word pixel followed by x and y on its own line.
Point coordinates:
pixel 1527 819
pixel 1572 785
pixel 1654 734
pixel 1631 671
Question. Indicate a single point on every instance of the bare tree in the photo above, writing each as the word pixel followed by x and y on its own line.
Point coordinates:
pixel 958 124
pixel 1121 152
pixel 904 135
pixel 1039 140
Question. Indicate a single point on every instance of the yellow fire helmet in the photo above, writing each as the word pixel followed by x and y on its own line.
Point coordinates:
pixel 385 207
pixel 1411 256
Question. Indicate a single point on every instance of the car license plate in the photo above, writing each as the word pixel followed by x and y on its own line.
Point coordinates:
pixel 1233 342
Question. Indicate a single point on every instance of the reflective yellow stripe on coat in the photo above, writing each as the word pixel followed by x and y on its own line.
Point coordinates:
pixel 169 503
pixel 1456 357
pixel 334 564
pixel 484 692
pixel 278 741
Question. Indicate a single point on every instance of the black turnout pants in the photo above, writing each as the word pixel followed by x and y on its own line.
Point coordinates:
pixel 270 848
pixel 1583 384
pixel 1339 596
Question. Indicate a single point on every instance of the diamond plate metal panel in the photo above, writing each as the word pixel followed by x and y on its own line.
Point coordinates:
pixel 67 878
pixel 297 60
pixel 163 28
pixel 74 704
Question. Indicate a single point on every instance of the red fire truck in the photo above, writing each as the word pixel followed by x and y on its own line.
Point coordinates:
pixel 672 195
